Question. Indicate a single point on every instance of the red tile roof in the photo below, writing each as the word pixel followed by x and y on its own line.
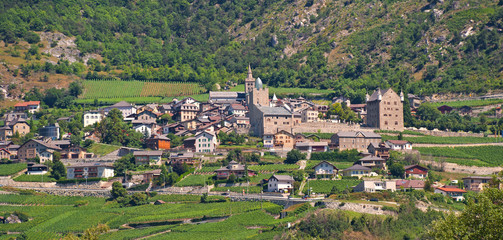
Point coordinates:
pixel 451 189
pixel 26 104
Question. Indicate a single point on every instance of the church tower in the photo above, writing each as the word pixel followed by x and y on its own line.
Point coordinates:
pixel 249 81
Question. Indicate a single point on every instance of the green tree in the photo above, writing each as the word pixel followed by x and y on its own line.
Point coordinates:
pixel 293 156
pixel 75 89
pixel 138 199
pixel 124 163
pixel 58 170
pixel 118 191
pixel 397 170
pixel 482 219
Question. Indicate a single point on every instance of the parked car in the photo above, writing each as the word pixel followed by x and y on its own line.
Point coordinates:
pixel 374 200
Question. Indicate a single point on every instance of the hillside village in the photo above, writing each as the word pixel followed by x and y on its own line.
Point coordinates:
pixel 235 143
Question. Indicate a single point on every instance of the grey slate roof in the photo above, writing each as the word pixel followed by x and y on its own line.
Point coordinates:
pixel 353 134
pixel 275 111
pixel 283 177
pixel 121 104
pixel 147 153
pixel 357 167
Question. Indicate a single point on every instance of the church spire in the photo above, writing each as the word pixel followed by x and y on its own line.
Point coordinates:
pixel 250 76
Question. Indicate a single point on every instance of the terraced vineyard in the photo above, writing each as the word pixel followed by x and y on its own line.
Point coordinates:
pixel 325 186
pixel 489 155
pixel 121 89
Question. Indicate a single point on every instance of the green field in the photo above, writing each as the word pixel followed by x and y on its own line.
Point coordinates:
pixel 470 103
pixel 325 186
pixel 445 140
pixel 482 156
pixel 52 217
pixel 121 89
pixel 102 149
pixel 274 167
pixel 193 180
pixel 34 178
pixel 9 169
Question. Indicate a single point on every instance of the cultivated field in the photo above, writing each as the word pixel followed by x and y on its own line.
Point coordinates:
pixel 52 217
pixel 482 156
pixel 96 89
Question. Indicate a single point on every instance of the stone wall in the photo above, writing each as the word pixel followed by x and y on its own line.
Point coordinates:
pixel 446 133
pixel 359 207
pixel 329 127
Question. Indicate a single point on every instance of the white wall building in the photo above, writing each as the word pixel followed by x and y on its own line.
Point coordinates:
pixel 206 141
pixel 89 170
pixel 399 145
pixel 92 117
pixel 280 183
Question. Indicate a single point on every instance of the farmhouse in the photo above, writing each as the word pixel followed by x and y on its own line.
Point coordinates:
pixel 325 169
pixel 280 183
pixel 415 171
pixel 398 145
pixel 357 171
pixel 372 162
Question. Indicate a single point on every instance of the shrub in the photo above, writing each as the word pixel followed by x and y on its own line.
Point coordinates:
pixel 22 216
pixel 81 203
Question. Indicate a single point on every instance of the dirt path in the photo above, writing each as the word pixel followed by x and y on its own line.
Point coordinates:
pixel 302 164
pixel 155 234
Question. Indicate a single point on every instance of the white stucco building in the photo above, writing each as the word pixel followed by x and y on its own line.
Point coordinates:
pixel 89 170
pixel 92 117
pixel 280 183
pixel 206 141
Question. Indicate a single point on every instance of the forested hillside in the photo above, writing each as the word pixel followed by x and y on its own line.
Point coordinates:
pixel 421 47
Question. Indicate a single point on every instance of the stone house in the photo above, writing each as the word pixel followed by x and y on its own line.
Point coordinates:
pixel 309 115
pixel 385 110
pixel 36 148
pixel 238 110
pixel 284 140
pixel 379 150
pixel 358 140
pixel 75 152
pixel 475 183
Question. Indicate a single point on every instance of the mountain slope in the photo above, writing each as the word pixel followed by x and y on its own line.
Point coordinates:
pixel 350 46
